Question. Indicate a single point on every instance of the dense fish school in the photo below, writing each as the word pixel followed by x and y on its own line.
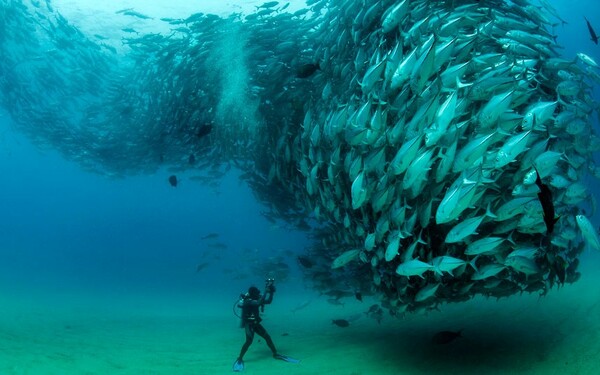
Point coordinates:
pixel 435 149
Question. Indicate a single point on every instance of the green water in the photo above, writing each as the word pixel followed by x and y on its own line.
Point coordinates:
pixel 84 332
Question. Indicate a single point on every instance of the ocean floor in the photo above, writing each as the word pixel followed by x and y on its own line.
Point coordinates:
pixel 104 333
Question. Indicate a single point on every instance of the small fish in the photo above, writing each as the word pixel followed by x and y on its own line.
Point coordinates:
pixel 373 309
pixel 173 180
pixel 210 236
pixel 358 296
pixel 204 130
pixel 270 4
pixel 545 197
pixel 192 159
pixel 587 60
pixel 593 35
pixel 522 264
pixel 445 337
pixel 305 261
pixel 375 312
pixel 413 267
pixel 341 322
pixel 136 14
pixel 344 258
pixel 201 266
pixel 123 10
pixel 285 334
pixel 218 245
pixel 307 70
pixel 338 293
pixel 487 271
pixel 301 306
pixel 588 232
pixel 377 316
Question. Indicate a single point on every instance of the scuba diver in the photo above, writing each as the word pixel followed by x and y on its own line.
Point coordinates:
pixel 250 303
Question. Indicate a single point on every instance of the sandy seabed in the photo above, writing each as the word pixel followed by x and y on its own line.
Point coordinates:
pixel 86 333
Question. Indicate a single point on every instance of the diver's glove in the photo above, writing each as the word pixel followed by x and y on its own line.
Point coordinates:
pixel 271 288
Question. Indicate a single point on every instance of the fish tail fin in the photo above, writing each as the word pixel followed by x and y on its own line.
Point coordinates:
pixel 419 239
pixel 574 61
pixel 503 132
pixel 473 265
pixel 461 85
pixel 550 136
pixel 359 82
pixel 510 239
pixel 488 211
pixel 558 97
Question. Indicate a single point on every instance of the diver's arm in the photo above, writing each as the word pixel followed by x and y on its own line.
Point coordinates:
pixel 269 299
pixel 241 302
pixel 268 296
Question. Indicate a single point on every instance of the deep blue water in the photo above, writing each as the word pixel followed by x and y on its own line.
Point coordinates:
pixel 62 227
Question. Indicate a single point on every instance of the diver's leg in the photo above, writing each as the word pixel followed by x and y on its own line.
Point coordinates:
pixel 261 331
pixel 249 338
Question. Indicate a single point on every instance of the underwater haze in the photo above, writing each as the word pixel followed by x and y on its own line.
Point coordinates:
pixel 153 167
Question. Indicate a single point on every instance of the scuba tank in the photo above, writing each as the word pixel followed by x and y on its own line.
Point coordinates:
pixel 242 297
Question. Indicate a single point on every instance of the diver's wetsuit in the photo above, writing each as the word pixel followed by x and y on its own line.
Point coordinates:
pixel 251 321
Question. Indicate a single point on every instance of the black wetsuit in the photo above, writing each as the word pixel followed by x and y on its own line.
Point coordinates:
pixel 251 321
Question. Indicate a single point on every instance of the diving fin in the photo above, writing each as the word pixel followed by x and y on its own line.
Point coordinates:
pixel 238 365
pixel 286 358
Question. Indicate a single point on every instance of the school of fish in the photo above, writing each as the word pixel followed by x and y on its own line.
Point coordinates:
pixel 436 150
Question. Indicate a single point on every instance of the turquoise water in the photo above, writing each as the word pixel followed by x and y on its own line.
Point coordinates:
pixel 158 333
